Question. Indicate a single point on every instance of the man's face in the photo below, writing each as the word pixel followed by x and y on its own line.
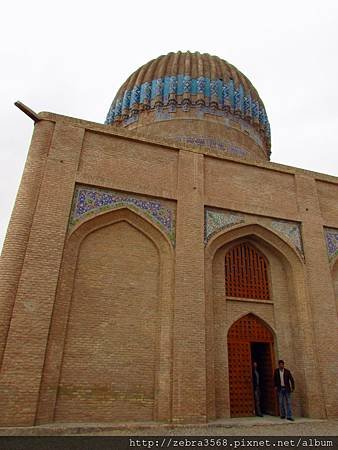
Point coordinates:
pixel 281 366
pixel 255 365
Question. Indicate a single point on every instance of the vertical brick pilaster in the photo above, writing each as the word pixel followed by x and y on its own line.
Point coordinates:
pixel 322 298
pixel 15 244
pixel 189 378
pixel 28 332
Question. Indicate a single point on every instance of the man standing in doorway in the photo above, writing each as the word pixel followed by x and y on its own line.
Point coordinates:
pixel 257 389
pixel 284 384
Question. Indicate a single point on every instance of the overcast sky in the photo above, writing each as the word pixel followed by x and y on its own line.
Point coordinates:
pixel 70 57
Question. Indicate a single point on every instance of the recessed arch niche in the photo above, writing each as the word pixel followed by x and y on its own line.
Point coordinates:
pixel 108 354
pixel 284 312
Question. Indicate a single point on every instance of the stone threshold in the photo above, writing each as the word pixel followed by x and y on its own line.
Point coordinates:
pixel 70 429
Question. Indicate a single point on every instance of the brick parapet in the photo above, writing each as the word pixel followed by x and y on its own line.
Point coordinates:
pixel 167 143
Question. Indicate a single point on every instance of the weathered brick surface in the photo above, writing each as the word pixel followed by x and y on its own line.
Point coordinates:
pixel 189 382
pixel 117 299
pixel 26 342
pixel 14 248
pixel 321 292
pixel 109 321
pixel 112 327
pixel 249 188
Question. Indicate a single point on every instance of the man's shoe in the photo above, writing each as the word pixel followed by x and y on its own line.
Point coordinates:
pixel 260 415
pixel 291 418
pixel 282 417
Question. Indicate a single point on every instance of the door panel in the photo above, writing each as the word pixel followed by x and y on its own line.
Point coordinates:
pixel 250 339
pixel 241 394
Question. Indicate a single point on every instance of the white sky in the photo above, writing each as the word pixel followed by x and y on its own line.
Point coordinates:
pixel 70 57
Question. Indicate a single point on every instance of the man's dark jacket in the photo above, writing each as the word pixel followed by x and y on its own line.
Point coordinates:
pixel 288 380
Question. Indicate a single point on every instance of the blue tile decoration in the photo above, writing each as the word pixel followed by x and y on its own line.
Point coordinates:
pixel 200 85
pixel 331 238
pixel 224 95
pixel 217 220
pixel 211 143
pixel 213 87
pixel 237 151
pixel 89 201
pixel 172 85
pixel 135 96
pixel 187 84
pixel 291 231
pixel 158 87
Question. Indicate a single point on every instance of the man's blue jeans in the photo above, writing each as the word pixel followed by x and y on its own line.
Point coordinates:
pixel 285 403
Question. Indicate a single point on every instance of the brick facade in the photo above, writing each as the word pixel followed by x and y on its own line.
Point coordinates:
pixel 114 316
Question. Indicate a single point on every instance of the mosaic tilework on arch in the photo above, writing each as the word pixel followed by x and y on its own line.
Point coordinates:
pixel 89 201
pixel 331 238
pixel 291 231
pixel 217 220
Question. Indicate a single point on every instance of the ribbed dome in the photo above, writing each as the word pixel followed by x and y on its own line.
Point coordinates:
pixel 190 82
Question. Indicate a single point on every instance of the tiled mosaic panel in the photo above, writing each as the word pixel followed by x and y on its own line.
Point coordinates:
pixel 184 91
pixel 216 221
pixel 89 201
pixel 291 231
pixel 331 238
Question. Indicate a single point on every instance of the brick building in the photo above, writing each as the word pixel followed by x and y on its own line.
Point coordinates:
pixel 150 259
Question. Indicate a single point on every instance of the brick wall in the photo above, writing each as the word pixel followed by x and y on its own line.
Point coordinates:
pixel 78 305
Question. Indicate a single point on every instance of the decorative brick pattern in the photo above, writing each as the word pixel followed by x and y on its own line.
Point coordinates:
pixel 331 238
pixel 89 201
pixel 216 221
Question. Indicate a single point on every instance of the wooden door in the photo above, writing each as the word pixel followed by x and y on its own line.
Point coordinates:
pixel 262 353
pixel 240 381
pixel 243 334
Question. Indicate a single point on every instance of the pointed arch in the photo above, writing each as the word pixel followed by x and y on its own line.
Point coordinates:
pixel 126 213
pixel 256 317
pixel 252 229
pixel 286 310
pixel 107 224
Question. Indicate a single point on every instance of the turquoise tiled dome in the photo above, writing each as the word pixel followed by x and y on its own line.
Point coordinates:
pixel 189 81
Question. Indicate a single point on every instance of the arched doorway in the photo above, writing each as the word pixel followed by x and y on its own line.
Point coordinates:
pixel 249 339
